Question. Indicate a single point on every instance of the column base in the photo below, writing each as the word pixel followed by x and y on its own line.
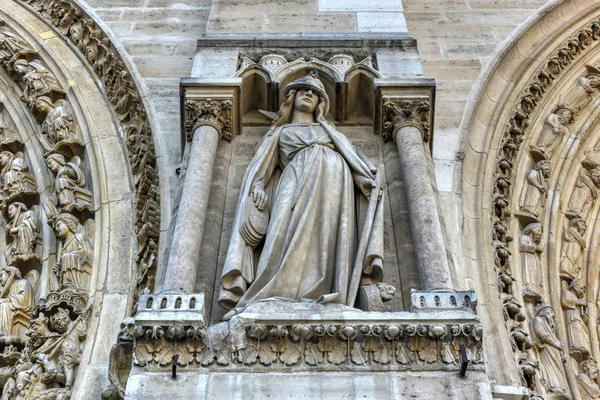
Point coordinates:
pixel 443 300
pixel 171 308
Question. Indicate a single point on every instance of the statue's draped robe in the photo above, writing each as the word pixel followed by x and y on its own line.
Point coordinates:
pixel 314 230
pixel 20 298
pixel 551 366
pixel 26 224
pixel 75 256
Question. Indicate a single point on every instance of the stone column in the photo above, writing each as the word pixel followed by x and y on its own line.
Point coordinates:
pixel 206 122
pixel 408 122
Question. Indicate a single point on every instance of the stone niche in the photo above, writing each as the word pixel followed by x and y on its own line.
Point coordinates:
pixel 410 320
pixel 349 76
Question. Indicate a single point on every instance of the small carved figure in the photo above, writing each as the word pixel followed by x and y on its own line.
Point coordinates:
pixel 586 189
pixel 554 129
pixel 572 249
pixel 574 304
pixel 119 362
pixel 38 81
pixel 69 183
pixel 16 298
pixel 551 354
pixel 59 124
pixel 536 189
pixel 72 332
pixel 589 380
pixel 15 174
pixel 73 266
pixel 23 229
pixel 531 248
pixel 12 47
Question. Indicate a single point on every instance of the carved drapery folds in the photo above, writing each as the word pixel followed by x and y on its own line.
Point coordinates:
pixel 553 352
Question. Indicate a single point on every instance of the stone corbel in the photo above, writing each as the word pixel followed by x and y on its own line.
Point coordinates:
pixel 401 104
pixel 211 103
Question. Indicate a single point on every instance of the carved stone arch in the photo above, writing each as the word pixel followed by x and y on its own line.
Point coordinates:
pixel 359 85
pixel 526 90
pixel 119 167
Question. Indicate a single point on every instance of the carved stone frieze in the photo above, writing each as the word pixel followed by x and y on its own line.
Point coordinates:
pixel 545 365
pixel 215 113
pixel 73 25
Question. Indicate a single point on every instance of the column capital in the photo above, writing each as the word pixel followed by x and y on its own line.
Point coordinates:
pixel 406 103
pixel 213 103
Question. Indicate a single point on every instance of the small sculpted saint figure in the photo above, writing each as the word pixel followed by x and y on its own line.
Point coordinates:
pixel 73 266
pixel 313 241
pixel 17 296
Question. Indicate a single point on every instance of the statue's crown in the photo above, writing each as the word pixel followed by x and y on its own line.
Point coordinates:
pixel 311 81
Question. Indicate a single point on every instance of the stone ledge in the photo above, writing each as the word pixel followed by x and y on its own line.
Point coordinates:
pixel 274 335
pixel 345 40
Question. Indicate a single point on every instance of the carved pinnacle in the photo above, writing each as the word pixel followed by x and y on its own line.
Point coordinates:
pixel 215 113
pixel 406 113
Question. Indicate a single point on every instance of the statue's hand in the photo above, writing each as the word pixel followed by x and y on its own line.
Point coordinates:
pixel 259 197
pixel 366 186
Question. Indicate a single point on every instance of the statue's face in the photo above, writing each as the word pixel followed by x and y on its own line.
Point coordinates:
pixel 52 165
pixel 41 106
pixel 60 322
pixel 12 210
pixel 306 100
pixel 564 115
pixel 62 229
pixel 579 288
pixel 21 69
pixel 536 235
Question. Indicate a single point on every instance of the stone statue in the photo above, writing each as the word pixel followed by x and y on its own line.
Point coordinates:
pixel 310 247
pixel 38 81
pixel 59 124
pixel 12 47
pixel 17 297
pixel 574 304
pixel 69 183
pixel 23 229
pixel 74 260
pixel 536 189
pixel 550 351
pixel 572 249
pixel 586 189
pixel 531 248
pixel 588 380
pixel 15 174
pixel 119 363
pixel 554 129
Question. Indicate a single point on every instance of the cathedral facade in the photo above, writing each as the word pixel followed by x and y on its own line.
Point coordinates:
pixel 312 199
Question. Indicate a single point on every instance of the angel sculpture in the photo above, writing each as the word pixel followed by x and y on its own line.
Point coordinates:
pixel 73 267
pixel 23 229
pixel 69 182
pixel 58 126
pixel 38 80
pixel 15 174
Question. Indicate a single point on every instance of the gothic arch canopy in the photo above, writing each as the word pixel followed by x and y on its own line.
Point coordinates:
pixel 529 189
